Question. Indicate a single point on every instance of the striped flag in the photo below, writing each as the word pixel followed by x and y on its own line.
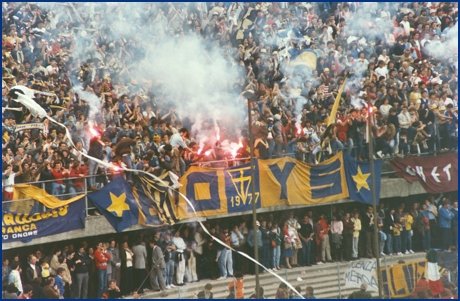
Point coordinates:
pixel 331 119
pixel 433 276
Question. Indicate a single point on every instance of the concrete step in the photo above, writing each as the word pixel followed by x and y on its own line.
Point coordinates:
pixel 323 278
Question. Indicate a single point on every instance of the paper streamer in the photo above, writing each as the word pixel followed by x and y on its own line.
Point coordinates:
pixel 111 165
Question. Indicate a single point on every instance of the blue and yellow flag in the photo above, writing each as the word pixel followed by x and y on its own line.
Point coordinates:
pixel 246 24
pixel 116 202
pixel 305 57
pixel 155 199
pixel 359 179
pixel 147 203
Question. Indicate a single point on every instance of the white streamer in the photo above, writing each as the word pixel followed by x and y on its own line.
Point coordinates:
pixel 111 165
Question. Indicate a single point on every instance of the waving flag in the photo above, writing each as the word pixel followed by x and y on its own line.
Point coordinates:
pixel 359 179
pixel 246 24
pixel 116 202
pixel 305 57
pixel 433 276
pixel 147 203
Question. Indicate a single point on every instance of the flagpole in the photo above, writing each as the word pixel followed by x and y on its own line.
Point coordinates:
pixel 253 193
pixel 374 201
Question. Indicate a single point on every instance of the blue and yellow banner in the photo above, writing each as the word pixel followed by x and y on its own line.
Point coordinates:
pixel 285 181
pixel 292 182
pixel 215 191
pixel 25 226
pixel 400 280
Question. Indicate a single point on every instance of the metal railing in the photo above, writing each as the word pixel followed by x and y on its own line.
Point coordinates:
pixel 39 207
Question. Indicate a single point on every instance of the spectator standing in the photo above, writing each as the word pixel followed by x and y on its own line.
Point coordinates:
pixel 325 244
pixel 356 231
pixel 6 269
pixel 237 285
pixel 200 241
pixel 388 225
pixel 127 259
pixel 15 277
pixel 168 248
pixel 180 247
pixel 264 260
pixel 425 228
pixel 236 236
pixel 140 259
pixel 337 238
pixel 288 245
pixel 157 281
pixel 409 234
pixel 31 271
pixel 276 237
pixel 82 262
pixel 54 264
pixel 454 223
pixel 101 257
pixel 368 228
pixel 306 236
pixel 348 227
pixel 114 263
pixel 250 241
pixel 95 150
pixel 445 218
pixel 59 280
pixel 225 260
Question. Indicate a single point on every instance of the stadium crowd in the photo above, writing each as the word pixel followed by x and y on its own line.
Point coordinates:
pixel 398 71
pixel 400 59
pixel 167 257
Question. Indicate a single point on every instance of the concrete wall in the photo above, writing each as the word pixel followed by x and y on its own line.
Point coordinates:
pixel 98 225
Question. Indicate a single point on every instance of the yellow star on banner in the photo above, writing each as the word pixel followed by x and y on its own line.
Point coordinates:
pixel 361 180
pixel 118 204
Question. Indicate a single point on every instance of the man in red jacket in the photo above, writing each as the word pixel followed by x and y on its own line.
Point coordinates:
pixel 100 258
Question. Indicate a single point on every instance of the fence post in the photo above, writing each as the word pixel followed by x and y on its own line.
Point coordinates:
pixel 43 207
pixel 386 269
pixel 338 280
pixel 286 275
pixel 86 195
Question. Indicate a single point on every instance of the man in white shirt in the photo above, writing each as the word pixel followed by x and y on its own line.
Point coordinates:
pixel 405 23
pixel 237 237
pixel 180 247
pixel 200 241
pixel 15 276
